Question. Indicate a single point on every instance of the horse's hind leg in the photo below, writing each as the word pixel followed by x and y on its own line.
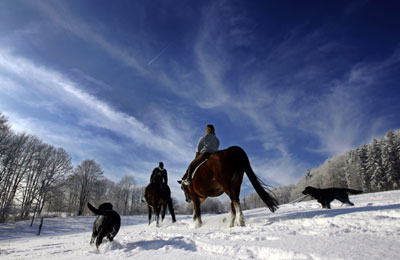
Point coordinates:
pixel 164 207
pixel 149 209
pixel 239 211
pixel 233 215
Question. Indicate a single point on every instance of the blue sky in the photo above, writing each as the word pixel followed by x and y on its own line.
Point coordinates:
pixel 132 83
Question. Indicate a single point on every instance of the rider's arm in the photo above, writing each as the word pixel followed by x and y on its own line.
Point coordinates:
pixel 166 177
pixel 152 174
pixel 200 145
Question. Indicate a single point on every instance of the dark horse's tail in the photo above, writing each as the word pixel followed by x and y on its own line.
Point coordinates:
pixel 258 184
pixel 171 209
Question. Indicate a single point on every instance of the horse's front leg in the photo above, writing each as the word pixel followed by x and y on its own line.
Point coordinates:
pixel 196 211
pixel 157 209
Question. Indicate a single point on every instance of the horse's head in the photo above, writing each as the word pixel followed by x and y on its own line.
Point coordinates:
pixel 185 189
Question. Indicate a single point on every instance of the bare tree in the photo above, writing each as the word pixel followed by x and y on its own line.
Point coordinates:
pixel 87 173
pixel 57 168
pixel 137 205
pixel 15 162
pixel 126 187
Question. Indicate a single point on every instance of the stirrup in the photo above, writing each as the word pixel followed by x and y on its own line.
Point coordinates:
pixel 186 182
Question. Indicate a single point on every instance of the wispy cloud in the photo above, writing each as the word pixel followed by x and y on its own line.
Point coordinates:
pixel 90 109
pixel 340 118
pixel 157 56
pixel 64 18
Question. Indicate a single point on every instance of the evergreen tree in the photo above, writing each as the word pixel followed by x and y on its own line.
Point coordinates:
pixel 374 166
pixel 390 162
pixel 350 170
pixel 362 168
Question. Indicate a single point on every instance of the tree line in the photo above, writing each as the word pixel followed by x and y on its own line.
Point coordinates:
pixel 37 177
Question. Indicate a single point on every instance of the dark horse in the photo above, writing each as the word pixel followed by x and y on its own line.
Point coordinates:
pixel 157 195
pixel 223 172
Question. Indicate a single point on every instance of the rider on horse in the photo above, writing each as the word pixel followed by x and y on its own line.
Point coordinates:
pixel 158 194
pixel 160 176
pixel 208 144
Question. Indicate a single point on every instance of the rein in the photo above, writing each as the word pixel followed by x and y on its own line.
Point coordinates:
pixel 299 199
pixel 195 170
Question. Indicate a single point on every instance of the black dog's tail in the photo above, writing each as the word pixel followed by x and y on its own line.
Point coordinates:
pixel 353 191
pixel 98 211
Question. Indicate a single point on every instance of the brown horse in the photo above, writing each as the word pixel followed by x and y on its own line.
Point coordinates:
pixel 157 195
pixel 223 172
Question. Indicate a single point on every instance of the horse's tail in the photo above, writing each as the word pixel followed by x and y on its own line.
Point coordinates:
pixel 171 209
pixel 260 186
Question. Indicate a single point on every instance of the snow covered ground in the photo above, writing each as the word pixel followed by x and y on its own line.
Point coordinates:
pixel 369 230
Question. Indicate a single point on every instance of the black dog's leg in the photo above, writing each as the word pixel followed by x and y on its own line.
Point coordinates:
pixel 325 204
pixel 114 232
pixel 347 202
pixel 344 198
pixel 110 237
pixel 101 235
pixel 94 235
pixel 93 238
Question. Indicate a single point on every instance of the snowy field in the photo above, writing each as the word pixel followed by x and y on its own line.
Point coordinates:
pixel 369 230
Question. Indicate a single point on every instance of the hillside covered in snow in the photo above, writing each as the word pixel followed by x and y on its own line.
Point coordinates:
pixel 369 230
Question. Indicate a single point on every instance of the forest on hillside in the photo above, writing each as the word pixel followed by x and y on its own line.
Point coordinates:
pixel 372 167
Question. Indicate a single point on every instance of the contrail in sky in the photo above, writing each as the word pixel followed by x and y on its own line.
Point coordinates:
pixel 157 56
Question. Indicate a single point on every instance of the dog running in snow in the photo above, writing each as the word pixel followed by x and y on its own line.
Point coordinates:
pixel 107 223
pixel 326 196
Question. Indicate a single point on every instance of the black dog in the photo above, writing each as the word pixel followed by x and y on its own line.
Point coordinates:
pixel 107 223
pixel 326 196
